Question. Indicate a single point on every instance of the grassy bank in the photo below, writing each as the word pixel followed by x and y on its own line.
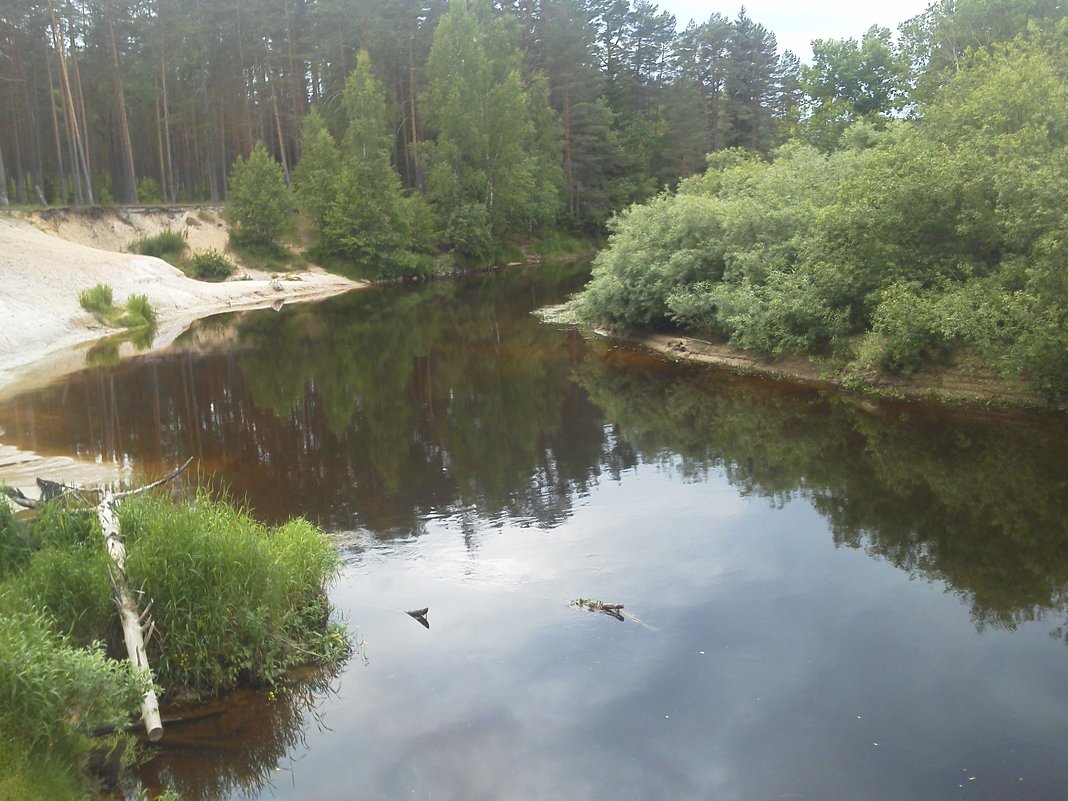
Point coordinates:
pixel 234 603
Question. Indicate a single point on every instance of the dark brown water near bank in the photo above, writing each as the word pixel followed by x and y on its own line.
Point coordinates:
pixel 835 598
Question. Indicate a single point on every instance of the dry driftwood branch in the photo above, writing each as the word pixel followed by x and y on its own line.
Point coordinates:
pixel 19 499
pixel 612 610
pixel 169 477
pixel 130 618
pixel 52 490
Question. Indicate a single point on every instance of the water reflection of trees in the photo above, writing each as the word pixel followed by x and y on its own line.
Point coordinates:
pixel 376 409
pixel 383 408
pixel 238 744
pixel 979 502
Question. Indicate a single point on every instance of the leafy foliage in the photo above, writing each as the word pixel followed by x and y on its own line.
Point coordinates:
pixel 210 265
pixel 259 207
pixel 935 239
pixel 488 151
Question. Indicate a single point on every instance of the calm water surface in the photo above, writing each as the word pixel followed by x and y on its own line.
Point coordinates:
pixel 826 598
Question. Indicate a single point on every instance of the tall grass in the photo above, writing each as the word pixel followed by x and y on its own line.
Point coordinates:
pixel 167 244
pixel 53 697
pixel 98 300
pixel 138 312
pixel 236 602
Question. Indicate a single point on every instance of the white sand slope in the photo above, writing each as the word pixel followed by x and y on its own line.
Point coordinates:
pixel 44 332
pixel 42 274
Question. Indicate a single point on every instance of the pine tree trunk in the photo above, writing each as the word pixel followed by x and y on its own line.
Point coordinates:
pixel 83 122
pixel 3 179
pixel 55 132
pixel 281 141
pixel 129 194
pixel 79 163
pixel 170 190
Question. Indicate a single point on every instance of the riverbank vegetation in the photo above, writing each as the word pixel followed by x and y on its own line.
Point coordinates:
pixel 136 314
pixel 233 602
pixel 891 205
pixel 928 238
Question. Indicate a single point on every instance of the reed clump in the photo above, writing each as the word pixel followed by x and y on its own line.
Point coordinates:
pixel 137 314
pixel 236 602
pixel 167 245
pixel 233 601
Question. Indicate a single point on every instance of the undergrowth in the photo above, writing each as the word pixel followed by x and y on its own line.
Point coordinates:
pixel 168 245
pixel 138 312
pixel 233 602
pixel 210 265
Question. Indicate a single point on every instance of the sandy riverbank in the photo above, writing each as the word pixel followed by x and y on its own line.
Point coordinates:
pixel 46 260
pixel 43 330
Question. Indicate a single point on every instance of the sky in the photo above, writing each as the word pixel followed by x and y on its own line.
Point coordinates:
pixel 795 24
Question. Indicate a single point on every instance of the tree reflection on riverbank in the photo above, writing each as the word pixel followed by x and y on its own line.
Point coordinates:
pixel 240 743
pixel 388 408
pixel 977 501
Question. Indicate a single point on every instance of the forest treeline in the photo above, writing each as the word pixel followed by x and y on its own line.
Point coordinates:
pixel 894 232
pixel 153 100
pixel 900 200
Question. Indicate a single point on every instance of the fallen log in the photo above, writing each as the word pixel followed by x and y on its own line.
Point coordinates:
pixel 133 621
pixel 137 627
pixel 132 632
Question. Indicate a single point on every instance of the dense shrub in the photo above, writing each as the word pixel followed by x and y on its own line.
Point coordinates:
pixel 210 265
pixel 933 237
pixel 165 244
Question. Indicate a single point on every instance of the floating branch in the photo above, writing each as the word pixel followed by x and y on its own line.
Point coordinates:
pixel 612 610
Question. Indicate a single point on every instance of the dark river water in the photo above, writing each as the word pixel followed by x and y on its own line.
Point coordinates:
pixel 825 598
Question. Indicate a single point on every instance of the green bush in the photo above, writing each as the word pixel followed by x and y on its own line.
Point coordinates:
pixel 139 312
pixel 210 265
pixel 470 232
pixel 148 191
pixel 98 300
pixel 232 595
pixel 53 696
pixel 166 243
pixel 905 330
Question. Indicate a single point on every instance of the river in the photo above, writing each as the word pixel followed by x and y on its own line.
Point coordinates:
pixel 825 597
